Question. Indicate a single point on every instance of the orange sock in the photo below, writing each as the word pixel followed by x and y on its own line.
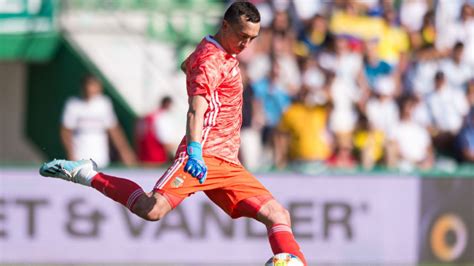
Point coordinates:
pixel 282 241
pixel 121 190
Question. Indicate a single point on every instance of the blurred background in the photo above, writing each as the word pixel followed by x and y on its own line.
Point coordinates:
pixel 357 114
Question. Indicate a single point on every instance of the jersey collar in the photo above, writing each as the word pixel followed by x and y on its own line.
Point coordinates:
pixel 209 38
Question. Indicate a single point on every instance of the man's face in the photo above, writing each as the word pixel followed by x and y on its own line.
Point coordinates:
pixel 92 88
pixel 239 35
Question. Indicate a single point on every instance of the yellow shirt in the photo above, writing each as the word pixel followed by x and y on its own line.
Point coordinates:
pixel 392 43
pixel 374 141
pixel 306 126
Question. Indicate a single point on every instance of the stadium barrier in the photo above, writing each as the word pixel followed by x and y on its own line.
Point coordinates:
pixel 379 219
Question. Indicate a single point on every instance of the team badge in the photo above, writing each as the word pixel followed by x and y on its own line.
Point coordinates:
pixel 177 182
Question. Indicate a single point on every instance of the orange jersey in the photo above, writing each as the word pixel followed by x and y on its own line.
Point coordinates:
pixel 215 74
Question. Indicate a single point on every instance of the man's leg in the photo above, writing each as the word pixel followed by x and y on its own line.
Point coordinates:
pixel 277 220
pixel 152 206
pixel 241 194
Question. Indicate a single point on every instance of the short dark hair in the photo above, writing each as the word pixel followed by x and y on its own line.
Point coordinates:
pixel 242 8
pixel 458 45
pixel 439 75
pixel 166 101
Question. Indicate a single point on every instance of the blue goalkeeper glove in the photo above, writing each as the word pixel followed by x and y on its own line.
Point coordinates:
pixel 195 165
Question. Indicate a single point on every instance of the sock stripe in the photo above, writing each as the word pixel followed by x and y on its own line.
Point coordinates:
pixel 133 197
pixel 279 228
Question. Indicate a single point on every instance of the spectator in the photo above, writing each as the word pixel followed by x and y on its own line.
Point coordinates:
pixel 276 44
pixel 460 29
pixel 457 71
pixel 421 113
pixel 369 143
pixel 303 135
pixel 447 108
pixel 342 157
pixel 374 67
pixel 274 99
pixel 314 36
pixel 423 75
pixel 86 122
pixel 410 143
pixel 423 40
pixel 253 120
pixel 382 110
pixel 273 96
pixel 155 135
pixel 428 30
pixel 348 86
pixel 411 14
pixel 283 42
pixel 306 10
pixel 448 14
pixel 466 25
pixel 314 79
pixel 393 43
pixel 465 139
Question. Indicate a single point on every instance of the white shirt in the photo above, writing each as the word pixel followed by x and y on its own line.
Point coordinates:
pixel 383 115
pixel 447 108
pixel 89 121
pixel 421 114
pixel 344 90
pixel 447 15
pixel 343 117
pixel 346 66
pixel 456 74
pixel 412 12
pixel 413 141
pixel 423 80
pixel 166 126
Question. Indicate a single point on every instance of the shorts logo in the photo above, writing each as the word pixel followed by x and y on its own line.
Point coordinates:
pixel 177 182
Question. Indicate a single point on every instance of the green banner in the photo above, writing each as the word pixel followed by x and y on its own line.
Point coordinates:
pixel 26 16
pixel 28 29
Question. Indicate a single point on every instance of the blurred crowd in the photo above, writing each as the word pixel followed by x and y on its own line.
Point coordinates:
pixel 360 83
pixel 345 84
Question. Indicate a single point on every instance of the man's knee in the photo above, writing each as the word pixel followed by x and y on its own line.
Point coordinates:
pixel 151 207
pixel 273 213
pixel 154 215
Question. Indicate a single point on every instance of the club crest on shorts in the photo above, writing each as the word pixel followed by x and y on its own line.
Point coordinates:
pixel 177 182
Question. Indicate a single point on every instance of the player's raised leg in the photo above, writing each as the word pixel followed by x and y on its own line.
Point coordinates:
pixel 149 206
pixel 277 220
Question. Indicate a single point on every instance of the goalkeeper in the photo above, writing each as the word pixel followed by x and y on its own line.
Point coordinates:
pixel 206 159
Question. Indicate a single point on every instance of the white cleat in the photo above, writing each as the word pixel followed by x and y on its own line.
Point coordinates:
pixel 81 171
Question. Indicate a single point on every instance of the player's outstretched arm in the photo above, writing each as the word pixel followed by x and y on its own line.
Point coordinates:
pixel 194 124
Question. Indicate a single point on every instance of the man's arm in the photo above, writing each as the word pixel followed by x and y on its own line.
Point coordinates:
pixel 195 118
pixel 194 125
pixel 66 139
pixel 119 141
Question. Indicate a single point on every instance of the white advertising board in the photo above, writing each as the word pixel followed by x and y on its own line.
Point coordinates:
pixel 336 220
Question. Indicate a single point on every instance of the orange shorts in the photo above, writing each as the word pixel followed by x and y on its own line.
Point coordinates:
pixel 228 185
